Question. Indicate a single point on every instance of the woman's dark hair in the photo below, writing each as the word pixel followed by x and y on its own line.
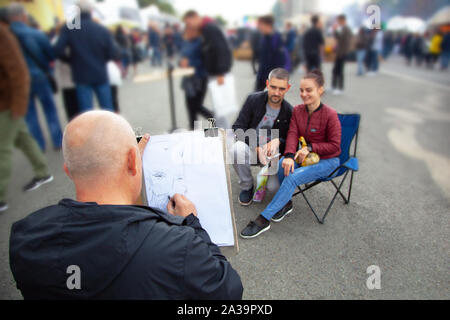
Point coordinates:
pixel 317 76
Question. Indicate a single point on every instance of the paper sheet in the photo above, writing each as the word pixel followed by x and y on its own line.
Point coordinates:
pixel 192 165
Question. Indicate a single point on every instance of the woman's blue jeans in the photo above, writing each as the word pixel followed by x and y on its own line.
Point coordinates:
pixel 300 176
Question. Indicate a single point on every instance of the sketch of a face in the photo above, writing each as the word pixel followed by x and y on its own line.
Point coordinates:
pixel 168 178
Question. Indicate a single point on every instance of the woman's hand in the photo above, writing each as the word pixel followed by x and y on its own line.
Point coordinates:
pixel 288 165
pixel 301 154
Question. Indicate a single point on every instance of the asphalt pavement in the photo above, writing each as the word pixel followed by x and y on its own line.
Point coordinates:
pixel 398 217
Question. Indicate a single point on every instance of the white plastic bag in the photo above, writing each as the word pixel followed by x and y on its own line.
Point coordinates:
pixel 223 96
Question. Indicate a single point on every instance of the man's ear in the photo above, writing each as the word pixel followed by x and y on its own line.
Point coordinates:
pixel 267 83
pixel 132 163
pixel 66 170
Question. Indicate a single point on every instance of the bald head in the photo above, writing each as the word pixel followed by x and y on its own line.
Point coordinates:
pixel 96 143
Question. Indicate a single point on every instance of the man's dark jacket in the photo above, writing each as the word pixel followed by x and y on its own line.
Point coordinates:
pixel 123 252
pixel 91 47
pixel 216 50
pixel 254 110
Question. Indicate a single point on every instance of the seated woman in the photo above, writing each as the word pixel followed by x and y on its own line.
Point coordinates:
pixel 320 126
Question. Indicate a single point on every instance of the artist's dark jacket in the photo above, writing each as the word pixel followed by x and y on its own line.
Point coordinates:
pixel 123 252
pixel 216 50
pixel 254 110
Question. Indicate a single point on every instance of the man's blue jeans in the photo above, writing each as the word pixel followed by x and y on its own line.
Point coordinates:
pixel 156 57
pixel 445 59
pixel 373 66
pixel 360 56
pixel 85 95
pixel 40 88
pixel 300 176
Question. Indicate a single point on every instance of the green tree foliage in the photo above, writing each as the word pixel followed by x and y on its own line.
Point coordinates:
pixel 162 5
pixel 221 21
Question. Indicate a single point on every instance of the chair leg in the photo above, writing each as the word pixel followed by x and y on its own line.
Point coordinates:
pixel 350 188
pixel 338 191
pixel 310 206
pixel 334 197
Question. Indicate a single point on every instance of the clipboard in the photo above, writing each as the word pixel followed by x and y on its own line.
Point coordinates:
pixel 213 131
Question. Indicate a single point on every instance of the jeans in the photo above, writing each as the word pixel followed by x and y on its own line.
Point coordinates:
pixel 360 56
pixel 313 61
pixel 243 157
pixel 445 59
pixel 300 176
pixel 195 104
pixel 156 57
pixel 373 60
pixel 85 96
pixel 337 80
pixel 14 133
pixel 40 88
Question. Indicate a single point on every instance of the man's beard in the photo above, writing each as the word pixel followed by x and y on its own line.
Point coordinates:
pixel 275 99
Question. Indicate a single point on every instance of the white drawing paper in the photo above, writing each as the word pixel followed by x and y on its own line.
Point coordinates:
pixel 192 165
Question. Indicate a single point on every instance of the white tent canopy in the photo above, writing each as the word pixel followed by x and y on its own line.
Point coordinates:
pixel 411 24
pixel 152 13
pixel 440 17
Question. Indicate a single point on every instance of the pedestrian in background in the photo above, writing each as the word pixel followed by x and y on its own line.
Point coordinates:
pixel 14 95
pixel 63 76
pixel 375 50
pixel 271 55
pixel 361 49
pixel 38 54
pixel 217 57
pixel 343 36
pixel 255 38
pixel 124 44
pixel 291 40
pixel 217 60
pixel 194 86
pixel 435 48
pixel 445 55
pixel 154 45
pixel 313 45
pixel 91 47
pixel 418 48
pixel 169 41
pixel 136 55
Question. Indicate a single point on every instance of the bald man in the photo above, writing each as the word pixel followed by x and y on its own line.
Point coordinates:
pixel 101 246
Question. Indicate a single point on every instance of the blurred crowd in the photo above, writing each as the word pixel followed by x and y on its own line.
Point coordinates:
pixel 306 45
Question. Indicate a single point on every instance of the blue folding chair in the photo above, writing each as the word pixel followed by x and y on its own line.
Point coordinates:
pixel 350 128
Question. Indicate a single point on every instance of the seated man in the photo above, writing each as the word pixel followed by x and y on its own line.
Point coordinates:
pixel 262 110
pixel 101 246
